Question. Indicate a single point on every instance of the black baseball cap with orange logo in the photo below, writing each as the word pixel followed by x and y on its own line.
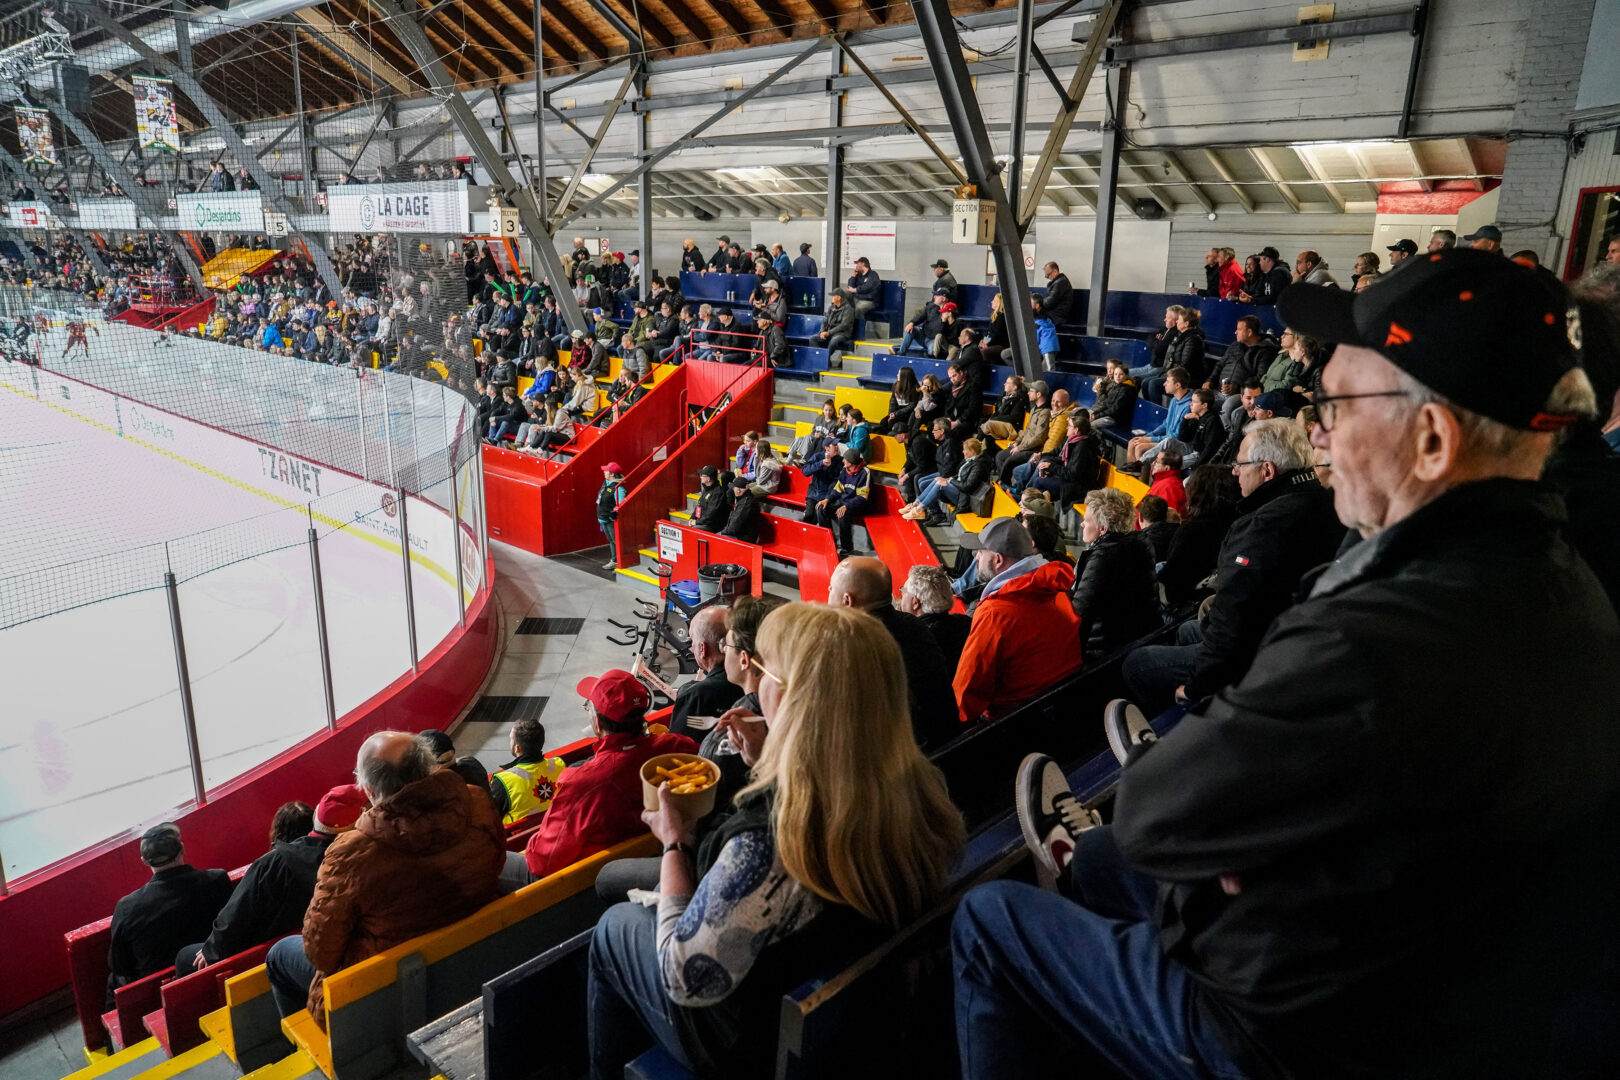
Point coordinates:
pixel 1486 332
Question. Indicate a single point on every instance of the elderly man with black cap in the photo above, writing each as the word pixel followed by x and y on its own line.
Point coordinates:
pixel 1485 238
pixel 1387 849
pixel 177 906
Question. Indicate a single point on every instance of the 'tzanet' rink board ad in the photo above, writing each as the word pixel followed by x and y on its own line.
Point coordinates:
pixel 431 206
pixel 336 499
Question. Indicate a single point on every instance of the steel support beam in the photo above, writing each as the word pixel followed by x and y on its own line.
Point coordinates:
pixel 1090 53
pixel 644 190
pixel 90 251
pixel 1239 41
pixel 1420 25
pixel 1243 197
pixel 1102 239
pixel 944 49
pixel 306 161
pixel 712 119
pixel 910 121
pixel 115 172
pixel 593 144
pixel 1020 111
pixel 832 252
pixel 1262 158
pixel 443 86
pixel 224 128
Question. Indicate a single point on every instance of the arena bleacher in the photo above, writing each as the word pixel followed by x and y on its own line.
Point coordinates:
pixel 1169 631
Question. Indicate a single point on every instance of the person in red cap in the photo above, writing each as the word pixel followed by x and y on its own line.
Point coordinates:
pixel 271 898
pixel 607 508
pixel 598 802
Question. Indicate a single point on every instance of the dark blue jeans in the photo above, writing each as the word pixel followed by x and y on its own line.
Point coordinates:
pixel 1052 986
pixel 1153 672
pixel 626 1006
pixel 290 974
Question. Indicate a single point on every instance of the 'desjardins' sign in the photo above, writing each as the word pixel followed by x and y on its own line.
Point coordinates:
pixel 224 211
pixel 434 206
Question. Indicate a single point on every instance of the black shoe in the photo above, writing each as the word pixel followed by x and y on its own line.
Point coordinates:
pixel 1126 727
pixel 1050 817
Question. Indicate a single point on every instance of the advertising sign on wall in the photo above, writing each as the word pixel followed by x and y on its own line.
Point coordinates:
pixel 30 215
pixel 413 206
pixel 34 135
pixel 871 240
pixel 223 211
pixel 106 214
pixel 157 122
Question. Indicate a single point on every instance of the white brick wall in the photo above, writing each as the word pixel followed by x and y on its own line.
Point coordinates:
pixel 1549 68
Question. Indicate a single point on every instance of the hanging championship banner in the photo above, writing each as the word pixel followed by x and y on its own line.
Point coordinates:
pixel 157 122
pixel 34 135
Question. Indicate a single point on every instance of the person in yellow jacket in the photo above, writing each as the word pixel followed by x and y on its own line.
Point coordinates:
pixel 524 787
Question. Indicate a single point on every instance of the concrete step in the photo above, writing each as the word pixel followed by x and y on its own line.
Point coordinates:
pixel 125 1064
pixel 795 393
pixel 858 365
pixel 872 347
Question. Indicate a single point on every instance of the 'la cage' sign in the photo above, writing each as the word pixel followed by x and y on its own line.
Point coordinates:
pixel 431 207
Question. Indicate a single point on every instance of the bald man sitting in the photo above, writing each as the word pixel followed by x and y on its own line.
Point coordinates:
pixel 713 693
pixel 425 854
pixel 865 583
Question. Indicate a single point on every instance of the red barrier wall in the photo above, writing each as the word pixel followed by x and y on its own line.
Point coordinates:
pixel 665 485
pixel 699 549
pixel 551 508
pixel 230 829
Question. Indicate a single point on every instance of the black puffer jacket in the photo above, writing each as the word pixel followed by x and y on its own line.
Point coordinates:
pixel 1116 402
pixel 269 901
pixel 1284 529
pixel 1115 594
pixel 1188 352
pixel 713 508
pixel 972 475
pixel 1418 746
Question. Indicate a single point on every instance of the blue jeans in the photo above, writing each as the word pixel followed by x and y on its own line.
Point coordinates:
pixel 910 341
pixel 968 581
pixel 626 1006
pixel 939 489
pixel 1021 477
pixel 1048 986
pixel 1153 672
pixel 290 974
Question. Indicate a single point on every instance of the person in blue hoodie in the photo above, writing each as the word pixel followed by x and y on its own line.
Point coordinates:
pixel 1147 444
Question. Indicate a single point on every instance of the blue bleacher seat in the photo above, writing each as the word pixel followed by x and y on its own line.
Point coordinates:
pixel 808 361
pixel 803 327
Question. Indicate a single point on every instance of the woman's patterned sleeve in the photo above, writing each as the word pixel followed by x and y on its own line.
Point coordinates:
pixel 708 942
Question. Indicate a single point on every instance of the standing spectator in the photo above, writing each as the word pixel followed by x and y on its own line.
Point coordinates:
pixel 1229 279
pixel 598 802
pixel 692 261
pixel 804 266
pixel 177 906
pixel 1400 251
pixel 1115 595
pixel 525 785
pixel 427 853
pixel 1312 269
pixel 1025 637
pixel 1212 274
pixel 608 498
pixel 1442 240
pixel 1485 238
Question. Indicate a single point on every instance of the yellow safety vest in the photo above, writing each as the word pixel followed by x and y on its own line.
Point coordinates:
pixel 530 786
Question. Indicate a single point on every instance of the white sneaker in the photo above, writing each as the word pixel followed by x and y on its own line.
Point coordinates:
pixel 1126 727
pixel 1050 816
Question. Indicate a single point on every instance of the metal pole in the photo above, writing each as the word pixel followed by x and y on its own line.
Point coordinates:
pixel 188 708
pixel 1102 241
pixel 405 553
pixel 644 185
pixel 365 435
pixel 832 255
pixel 539 139
pixel 455 533
pixel 1015 149
pixel 388 434
pixel 306 188
pixel 320 629
pixel 483 515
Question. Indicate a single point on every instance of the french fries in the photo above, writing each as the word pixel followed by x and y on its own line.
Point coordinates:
pixel 687 778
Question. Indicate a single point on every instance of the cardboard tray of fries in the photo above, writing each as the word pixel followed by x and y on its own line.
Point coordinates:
pixel 691 780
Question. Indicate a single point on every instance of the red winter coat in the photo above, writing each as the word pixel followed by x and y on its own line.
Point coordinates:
pixel 1025 639
pixel 598 802
pixel 419 860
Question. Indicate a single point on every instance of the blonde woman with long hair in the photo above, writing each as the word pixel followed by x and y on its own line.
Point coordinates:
pixel 845 834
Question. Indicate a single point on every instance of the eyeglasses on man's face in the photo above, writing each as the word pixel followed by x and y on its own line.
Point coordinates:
pixel 1327 406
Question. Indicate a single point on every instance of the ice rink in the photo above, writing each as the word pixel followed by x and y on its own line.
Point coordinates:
pixel 92 741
